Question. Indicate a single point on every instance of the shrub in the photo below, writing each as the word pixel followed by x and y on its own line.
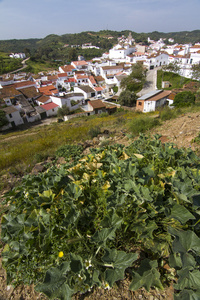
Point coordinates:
pixel 69 151
pixel 167 114
pixel 143 124
pixel 182 99
pixel 94 131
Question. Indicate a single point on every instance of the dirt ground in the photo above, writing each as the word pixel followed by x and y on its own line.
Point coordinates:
pixel 180 131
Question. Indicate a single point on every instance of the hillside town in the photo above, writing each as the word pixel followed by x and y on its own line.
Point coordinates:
pixel 92 87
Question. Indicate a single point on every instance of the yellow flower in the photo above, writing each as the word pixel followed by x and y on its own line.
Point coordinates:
pixel 60 254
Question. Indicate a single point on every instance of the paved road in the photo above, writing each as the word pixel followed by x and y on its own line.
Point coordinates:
pixel 151 81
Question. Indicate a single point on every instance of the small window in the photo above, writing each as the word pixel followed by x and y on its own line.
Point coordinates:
pixel 140 103
pixel 10 115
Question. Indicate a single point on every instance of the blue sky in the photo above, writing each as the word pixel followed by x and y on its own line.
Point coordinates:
pixel 36 19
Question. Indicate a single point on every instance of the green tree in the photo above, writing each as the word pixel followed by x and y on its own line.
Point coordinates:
pixel 172 67
pixel 72 55
pixel 127 98
pixel 3 119
pixel 64 111
pixel 135 81
pixel 186 98
pixel 196 71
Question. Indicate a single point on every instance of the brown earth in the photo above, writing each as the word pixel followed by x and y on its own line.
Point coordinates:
pixel 180 131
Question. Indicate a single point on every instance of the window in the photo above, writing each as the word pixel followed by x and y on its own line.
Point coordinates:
pixel 10 115
pixel 140 103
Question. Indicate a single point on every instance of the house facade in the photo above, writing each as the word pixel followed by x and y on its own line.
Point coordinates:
pixel 151 101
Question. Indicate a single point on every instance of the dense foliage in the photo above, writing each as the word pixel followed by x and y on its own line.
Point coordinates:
pixel 84 223
pixel 185 98
pixel 8 64
pixel 3 119
pixel 127 98
pixel 135 81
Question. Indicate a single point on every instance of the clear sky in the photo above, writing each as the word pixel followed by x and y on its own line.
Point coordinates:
pixel 21 19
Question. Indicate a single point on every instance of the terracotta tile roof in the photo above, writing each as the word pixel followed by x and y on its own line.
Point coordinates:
pixel 9 91
pixel 159 96
pixel 48 90
pixel 112 67
pixel 52 77
pixel 79 63
pixel 91 78
pixel 30 92
pixel 49 106
pixel 99 78
pixel 62 75
pixel 98 88
pixel 23 84
pixel 171 96
pixel 97 104
pixel 86 88
pixel 72 79
pixel 43 99
pixel 80 76
pixel 67 68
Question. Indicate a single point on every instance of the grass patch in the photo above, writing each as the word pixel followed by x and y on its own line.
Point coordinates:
pixel 176 80
pixel 143 124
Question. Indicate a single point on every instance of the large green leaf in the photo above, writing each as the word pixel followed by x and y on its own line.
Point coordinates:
pixel 180 213
pixel 146 276
pixel 187 295
pixel 188 278
pixel 100 237
pixel 76 263
pixel 54 285
pixel 111 220
pixel 119 261
pixel 185 241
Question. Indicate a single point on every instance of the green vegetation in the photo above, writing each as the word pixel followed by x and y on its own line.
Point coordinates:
pixel 176 80
pixel 127 98
pixel 64 111
pixel 185 98
pixel 3 119
pixel 143 124
pixel 168 114
pixel 8 64
pixel 82 225
pixel 196 71
pixel 135 81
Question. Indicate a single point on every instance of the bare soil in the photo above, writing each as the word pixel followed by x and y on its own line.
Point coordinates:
pixel 180 131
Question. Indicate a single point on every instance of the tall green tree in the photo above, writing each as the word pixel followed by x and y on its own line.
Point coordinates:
pixel 135 81
pixel 127 98
pixel 3 119
pixel 196 71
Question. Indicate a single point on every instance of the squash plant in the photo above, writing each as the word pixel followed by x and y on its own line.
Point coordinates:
pixel 117 210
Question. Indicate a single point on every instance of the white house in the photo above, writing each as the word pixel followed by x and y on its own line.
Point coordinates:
pixel 156 60
pixel 13 116
pixel 51 109
pixel 86 91
pixel 150 102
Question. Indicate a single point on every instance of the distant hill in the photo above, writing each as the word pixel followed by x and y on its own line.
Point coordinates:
pixel 96 38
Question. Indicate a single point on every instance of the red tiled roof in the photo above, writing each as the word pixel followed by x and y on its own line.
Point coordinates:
pixel 97 104
pixel 49 106
pixel 91 78
pixel 62 75
pixel 43 98
pixel 22 84
pixel 98 88
pixel 79 63
pixel 48 90
pixel 67 68
pixel 80 76
pixel 159 96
